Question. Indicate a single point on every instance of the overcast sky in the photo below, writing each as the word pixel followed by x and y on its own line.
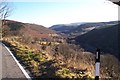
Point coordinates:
pixel 51 12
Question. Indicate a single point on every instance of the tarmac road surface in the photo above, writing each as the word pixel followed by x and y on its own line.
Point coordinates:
pixel 10 68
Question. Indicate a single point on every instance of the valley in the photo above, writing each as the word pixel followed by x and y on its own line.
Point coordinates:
pixel 47 53
pixel 60 40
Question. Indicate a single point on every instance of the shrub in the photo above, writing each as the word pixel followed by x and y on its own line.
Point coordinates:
pixel 15 26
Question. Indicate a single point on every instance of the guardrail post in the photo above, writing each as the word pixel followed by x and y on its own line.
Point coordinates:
pixel 97 64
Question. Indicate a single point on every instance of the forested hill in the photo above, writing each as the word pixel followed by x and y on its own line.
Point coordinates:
pixel 105 38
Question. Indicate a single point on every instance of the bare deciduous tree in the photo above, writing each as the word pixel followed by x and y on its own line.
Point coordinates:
pixel 4 9
pixel 4 13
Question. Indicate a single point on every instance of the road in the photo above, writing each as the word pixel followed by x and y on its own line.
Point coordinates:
pixel 10 68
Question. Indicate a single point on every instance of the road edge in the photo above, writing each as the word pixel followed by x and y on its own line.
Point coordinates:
pixel 20 66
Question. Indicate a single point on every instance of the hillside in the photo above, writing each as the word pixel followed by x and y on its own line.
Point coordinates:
pixel 105 38
pixel 15 28
pixel 65 27
pixel 52 57
pixel 45 57
pixel 76 29
pixel 34 27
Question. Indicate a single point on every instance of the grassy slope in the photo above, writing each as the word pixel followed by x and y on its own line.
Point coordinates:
pixel 38 64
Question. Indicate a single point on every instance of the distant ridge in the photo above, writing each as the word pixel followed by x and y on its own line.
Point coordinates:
pixel 76 29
